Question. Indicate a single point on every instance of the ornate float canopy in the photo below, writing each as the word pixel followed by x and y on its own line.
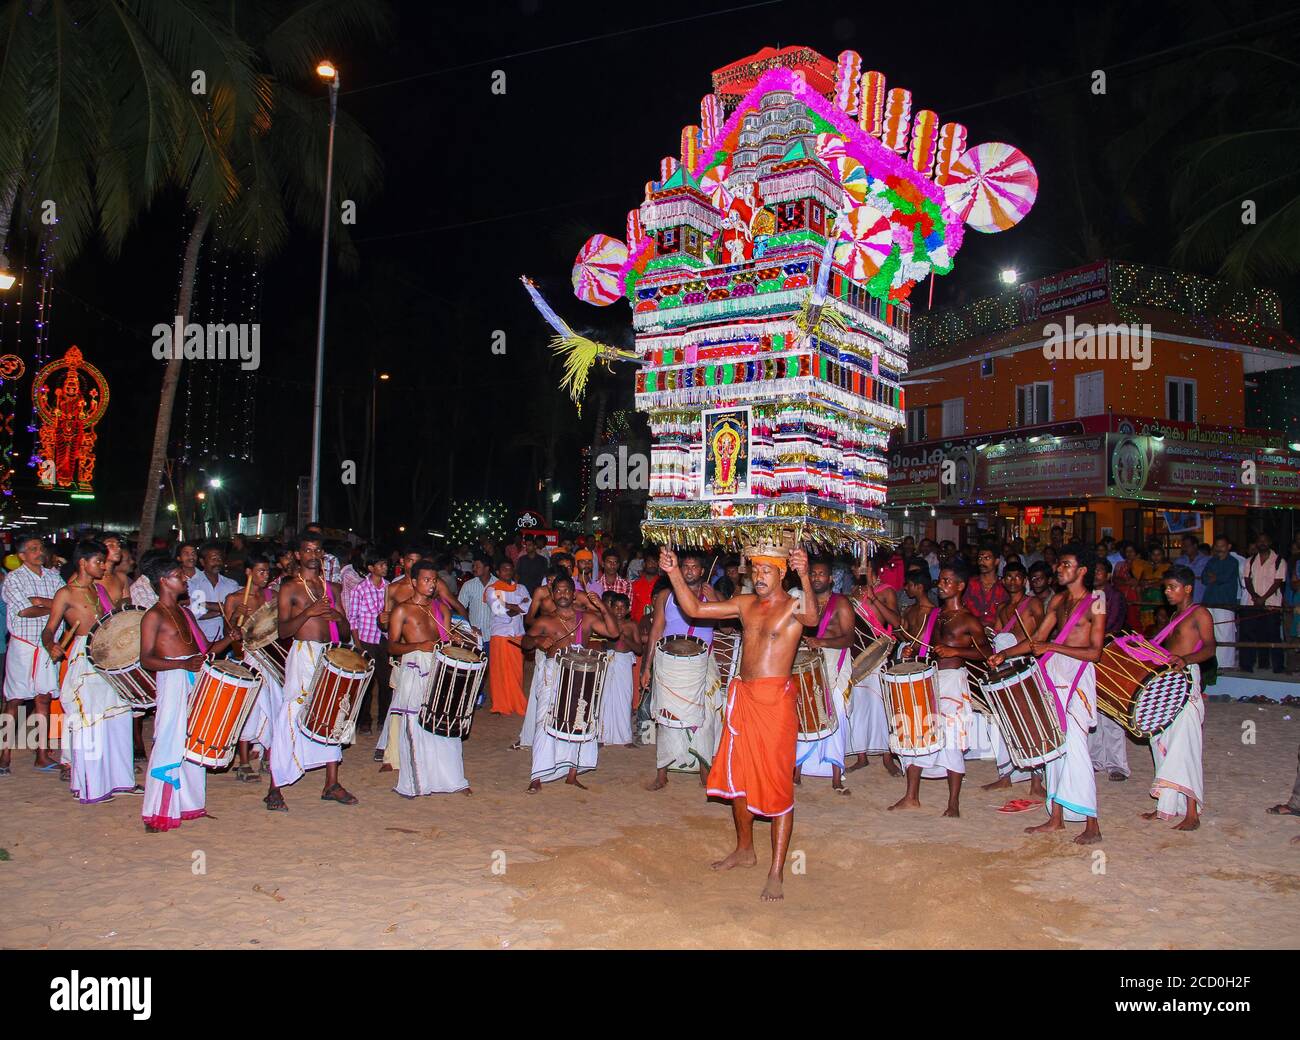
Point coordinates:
pixel 768 269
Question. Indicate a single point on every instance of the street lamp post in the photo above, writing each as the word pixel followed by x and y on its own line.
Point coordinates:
pixel 375 377
pixel 326 70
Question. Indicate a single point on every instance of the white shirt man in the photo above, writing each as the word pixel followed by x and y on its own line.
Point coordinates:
pixel 472 599
pixel 29 672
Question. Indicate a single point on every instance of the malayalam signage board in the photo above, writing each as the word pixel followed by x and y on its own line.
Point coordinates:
pixel 1082 287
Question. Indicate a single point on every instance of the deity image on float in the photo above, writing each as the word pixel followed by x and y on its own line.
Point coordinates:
pixel 769 269
pixel 67 416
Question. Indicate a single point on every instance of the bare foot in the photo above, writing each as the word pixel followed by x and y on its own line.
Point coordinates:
pixel 952 812
pixel 739 858
pixel 798 777
pixel 1296 840
pixel 860 763
pixel 386 768
pixel 468 790
pixel 573 781
pixel 998 784
pixel 1036 788
pixel 1152 815
pixel 1043 828
pixel 891 767
pixel 906 803
pixel 657 784
pixel 629 745
pixel 1189 824
pixel 772 891
pixel 1091 834
pixel 534 787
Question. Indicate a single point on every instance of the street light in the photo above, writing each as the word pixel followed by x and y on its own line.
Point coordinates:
pixel 1010 276
pixel 327 71
pixel 215 482
pixel 555 497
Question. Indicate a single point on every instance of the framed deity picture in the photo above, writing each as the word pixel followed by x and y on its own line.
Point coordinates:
pixel 726 453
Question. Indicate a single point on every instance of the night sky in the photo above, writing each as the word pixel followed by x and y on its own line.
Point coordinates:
pixel 480 188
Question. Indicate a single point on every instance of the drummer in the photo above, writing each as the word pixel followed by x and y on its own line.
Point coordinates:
pixel 310 615
pixel 427 763
pixel 1021 613
pixel 616 703
pixel 173 647
pixel 868 731
pixel 833 637
pixel 680 749
pixel 954 635
pixel 399 590
pixel 237 609
pixel 117 578
pixel 97 722
pixel 1179 785
pixel 574 621
pixel 397 593
pixel 1079 619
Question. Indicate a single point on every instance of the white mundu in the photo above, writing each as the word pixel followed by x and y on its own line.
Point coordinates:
pixel 1177 754
pixel 817 757
pixel 616 701
pixel 427 763
pixel 1070 779
pixel 695 698
pixel 29 672
pixel 552 757
pixel 294 752
pixel 97 724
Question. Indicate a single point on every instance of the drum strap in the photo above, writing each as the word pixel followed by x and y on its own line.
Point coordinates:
pixel 1014 614
pixel 329 597
pixel 825 621
pixel 104 601
pixel 199 639
pixel 1085 604
pixel 868 614
pixel 929 631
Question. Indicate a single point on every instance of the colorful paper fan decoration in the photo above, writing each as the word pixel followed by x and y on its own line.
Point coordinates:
pixel 667 167
pixel 830 146
pixel 898 119
pixel 713 182
pixel 596 270
pixel 852 176
pixel 865 243
pixel 871 108
pixel 991 187
pixel 847 70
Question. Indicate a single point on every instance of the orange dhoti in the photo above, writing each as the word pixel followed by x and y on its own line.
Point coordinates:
pixel 755 760
pixel 506 677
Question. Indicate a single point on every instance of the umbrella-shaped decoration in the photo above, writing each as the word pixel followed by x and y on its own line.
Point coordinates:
pixel 596 270
pixel 992 186
pixel 865 243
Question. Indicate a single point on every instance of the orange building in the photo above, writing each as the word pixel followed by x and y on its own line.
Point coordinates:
pixel 1111 399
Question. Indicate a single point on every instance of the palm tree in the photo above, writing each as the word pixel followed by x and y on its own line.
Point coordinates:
pixel 277 154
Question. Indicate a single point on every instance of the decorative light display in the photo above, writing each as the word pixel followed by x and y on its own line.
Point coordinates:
pixel 768 273
pixel 68 412
pixel 471 520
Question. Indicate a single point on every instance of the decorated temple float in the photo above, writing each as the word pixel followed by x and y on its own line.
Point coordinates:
pixel 769 269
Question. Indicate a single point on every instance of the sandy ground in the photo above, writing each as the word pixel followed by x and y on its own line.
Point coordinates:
pixel 618 866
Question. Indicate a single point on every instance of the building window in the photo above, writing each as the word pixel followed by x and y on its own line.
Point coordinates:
pixel 915 424
pixel 1033 404
pixel 1180 399
pixel 954 417
pixel 1089 394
